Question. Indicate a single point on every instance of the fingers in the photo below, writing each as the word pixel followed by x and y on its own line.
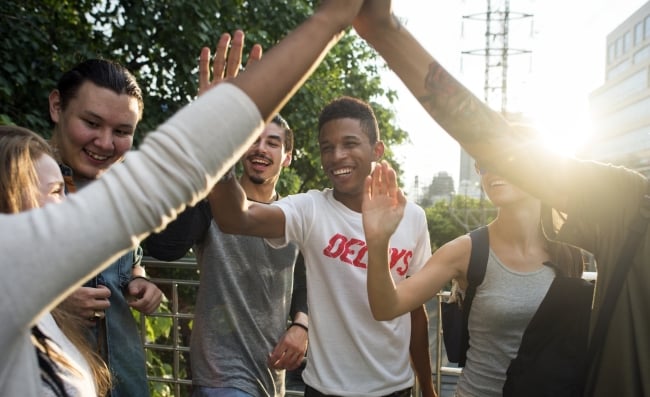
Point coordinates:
pixel 391 181
pixel 290 350
pixel 367 187
pixel 220 57
pixel 380 183
pixel 383 182
pixel 144 296
pixel 227 60
pixel 235 54
pixel 88 303
pixel 204 70
pixel 287 360
pixel 255 55
pixel 96 315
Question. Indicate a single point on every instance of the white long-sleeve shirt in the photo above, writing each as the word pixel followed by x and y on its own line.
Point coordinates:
pixel 48 252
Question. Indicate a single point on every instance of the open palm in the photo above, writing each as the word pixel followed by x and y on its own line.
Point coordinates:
pixel 383 203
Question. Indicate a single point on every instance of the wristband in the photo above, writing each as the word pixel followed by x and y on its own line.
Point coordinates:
pixel 297 324
pixel 142 277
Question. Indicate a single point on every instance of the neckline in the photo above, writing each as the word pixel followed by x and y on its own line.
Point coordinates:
pixel 274 198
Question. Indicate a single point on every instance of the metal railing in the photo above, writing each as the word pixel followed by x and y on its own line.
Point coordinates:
pixel 175 350
pixel 176 379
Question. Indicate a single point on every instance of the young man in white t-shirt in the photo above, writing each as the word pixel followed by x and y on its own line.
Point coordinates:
pixel 350 354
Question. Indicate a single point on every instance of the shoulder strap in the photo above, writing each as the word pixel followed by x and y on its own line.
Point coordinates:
pixel 637 230
pixel 478 259
pixel 475 274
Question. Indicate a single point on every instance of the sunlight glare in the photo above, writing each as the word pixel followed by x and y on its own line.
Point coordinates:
pixel 564 135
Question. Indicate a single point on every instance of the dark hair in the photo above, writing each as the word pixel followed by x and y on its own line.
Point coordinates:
pixel 288 133
pixel 103 73
pixel 353 108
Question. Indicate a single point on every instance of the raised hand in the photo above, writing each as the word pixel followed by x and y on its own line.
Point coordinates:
pixel 374 14
pixel 383 203
pixel 227 60
pixel 341 12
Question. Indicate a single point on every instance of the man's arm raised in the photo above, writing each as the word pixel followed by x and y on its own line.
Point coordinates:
pixel 484 133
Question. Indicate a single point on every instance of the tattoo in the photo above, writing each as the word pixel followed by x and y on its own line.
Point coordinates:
pixel 457 110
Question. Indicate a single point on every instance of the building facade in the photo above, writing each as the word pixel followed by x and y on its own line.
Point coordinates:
pixel 620 108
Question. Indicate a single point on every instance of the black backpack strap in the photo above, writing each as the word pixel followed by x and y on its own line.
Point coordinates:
pixel 477 260
pixel 636 231
pixel 475 274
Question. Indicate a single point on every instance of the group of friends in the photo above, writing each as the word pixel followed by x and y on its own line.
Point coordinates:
pixel 343 272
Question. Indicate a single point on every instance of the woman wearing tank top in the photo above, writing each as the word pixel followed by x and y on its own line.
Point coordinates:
pixel 521 265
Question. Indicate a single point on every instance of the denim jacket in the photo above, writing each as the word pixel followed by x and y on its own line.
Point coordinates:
pixel 117 336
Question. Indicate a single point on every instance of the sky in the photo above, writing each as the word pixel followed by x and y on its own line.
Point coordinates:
pixel 567 40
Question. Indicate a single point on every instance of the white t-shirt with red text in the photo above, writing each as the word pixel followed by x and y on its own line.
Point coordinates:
pixel 351 353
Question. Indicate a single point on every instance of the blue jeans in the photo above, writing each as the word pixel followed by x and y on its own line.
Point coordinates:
pixel 200 391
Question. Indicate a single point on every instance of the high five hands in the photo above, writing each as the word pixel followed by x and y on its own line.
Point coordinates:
pixel 227 60
pixel 383 203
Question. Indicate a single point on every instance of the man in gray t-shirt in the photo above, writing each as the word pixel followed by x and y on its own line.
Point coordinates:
pixel 240 342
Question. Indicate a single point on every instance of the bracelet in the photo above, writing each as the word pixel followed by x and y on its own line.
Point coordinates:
pixel 142 277
pixel 297 324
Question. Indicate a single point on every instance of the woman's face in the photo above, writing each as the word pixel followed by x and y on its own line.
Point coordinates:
pixel 95 130
pixel 51 187
pixel 499 191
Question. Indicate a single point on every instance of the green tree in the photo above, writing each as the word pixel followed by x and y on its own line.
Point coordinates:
pixel 450 219
pixel 159 41
pixel 39 38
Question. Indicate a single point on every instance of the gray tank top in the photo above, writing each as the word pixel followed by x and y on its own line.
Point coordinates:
pixel 502 308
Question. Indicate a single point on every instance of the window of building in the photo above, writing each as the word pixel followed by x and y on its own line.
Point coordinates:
pixel 642 55
pixel 619 47
pixel 611 53
pixel 647 27
pixel 627 41
pixel 638 33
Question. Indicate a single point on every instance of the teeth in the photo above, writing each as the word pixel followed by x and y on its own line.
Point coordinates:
pixel 258 161
pixel 342 171
pixel 97 156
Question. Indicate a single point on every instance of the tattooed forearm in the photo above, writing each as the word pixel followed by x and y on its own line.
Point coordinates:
pixel 457 110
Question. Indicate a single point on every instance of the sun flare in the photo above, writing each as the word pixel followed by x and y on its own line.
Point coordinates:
pixel 565 136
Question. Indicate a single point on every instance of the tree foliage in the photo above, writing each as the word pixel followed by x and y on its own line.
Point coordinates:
pixel 448 219
pixel 159 41
pixel 39 38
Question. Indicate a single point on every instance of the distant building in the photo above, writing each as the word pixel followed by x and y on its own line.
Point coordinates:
pixel 470 188
pixel 441 188
pixel 620 108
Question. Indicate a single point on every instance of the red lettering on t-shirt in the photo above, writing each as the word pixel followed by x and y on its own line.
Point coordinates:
pixel 336 246
pixel 353 252
pixel 360 255
pixel 401 256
